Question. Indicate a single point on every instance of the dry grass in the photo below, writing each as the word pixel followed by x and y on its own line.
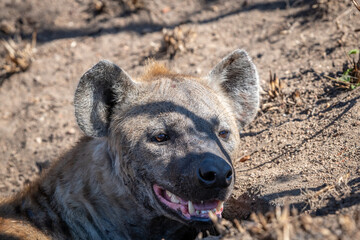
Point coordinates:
pixel 284 223
pixel 277 100
pixel 176 40
pixel 18 57
pixel 275 86
pixel 133 5
pixel 98 7
pixel 350 79
pixel 334 190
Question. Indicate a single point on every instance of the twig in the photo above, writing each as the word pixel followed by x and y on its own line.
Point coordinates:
pixel 346 12
pixel 357 5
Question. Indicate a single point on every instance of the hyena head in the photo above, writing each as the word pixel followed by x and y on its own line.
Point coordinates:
pixel 172 138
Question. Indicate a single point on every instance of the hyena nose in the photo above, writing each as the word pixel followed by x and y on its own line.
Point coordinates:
pixel 215 172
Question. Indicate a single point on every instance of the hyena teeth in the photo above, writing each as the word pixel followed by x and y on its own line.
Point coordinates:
pixel 174 199
pixel 220 206
pixel 191 207
pixel 169 194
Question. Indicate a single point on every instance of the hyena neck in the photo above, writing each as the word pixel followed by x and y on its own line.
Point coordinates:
pixel 81 197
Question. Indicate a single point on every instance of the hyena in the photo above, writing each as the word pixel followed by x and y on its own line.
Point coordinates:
pixel 156 158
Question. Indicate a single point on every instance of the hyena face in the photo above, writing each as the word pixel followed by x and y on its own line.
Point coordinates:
pixel 171 138
pixel 181 146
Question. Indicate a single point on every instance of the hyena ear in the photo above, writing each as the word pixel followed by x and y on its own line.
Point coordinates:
pixel 238 78
pixel 99 89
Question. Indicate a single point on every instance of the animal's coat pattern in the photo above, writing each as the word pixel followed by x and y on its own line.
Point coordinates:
pixel 157 156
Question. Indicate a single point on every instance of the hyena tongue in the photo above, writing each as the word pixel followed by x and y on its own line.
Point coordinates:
pixel 188 209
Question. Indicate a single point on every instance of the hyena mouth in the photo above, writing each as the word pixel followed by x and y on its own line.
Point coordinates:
pixel 189 210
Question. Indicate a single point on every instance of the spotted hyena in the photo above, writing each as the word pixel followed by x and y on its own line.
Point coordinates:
pixel 156 159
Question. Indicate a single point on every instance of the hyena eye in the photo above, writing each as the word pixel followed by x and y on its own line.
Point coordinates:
pixel 161 137
pixel 224 134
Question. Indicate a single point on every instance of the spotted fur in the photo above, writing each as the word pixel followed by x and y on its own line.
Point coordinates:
pixel 103 187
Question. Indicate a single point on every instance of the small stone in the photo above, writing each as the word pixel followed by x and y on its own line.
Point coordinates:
pixel 71 131
pixel 214 8
pixel 166 9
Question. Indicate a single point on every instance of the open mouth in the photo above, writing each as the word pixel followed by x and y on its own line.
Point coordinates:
pixel 186 208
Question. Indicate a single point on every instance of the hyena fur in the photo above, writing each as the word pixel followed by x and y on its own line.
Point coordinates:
pixel 156 159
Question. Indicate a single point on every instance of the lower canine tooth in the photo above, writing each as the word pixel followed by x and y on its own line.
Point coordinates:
pixel 191 207
pixel 220 206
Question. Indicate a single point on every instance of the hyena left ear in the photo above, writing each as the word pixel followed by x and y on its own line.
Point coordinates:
pixel 238 78
pixel 99 89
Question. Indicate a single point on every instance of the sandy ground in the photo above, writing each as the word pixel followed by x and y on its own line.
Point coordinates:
pixel 303 148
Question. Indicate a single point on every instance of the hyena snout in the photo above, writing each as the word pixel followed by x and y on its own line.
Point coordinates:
pixel 214 172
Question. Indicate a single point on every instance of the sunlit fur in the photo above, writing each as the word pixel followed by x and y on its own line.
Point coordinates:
pixel 102 187
pixel 155 70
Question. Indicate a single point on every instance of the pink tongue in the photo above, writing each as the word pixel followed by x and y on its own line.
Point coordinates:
pixel 207 205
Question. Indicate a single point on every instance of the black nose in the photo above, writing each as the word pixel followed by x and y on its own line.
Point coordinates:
pixel 215 172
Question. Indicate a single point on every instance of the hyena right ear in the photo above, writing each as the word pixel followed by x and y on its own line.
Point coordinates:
pixel 237 77
pixel 99 89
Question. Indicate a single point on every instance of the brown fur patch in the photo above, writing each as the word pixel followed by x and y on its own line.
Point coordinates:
pixel 155 70
pixel 16 229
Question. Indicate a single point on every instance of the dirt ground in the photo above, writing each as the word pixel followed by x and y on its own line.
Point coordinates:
pixel 301 153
